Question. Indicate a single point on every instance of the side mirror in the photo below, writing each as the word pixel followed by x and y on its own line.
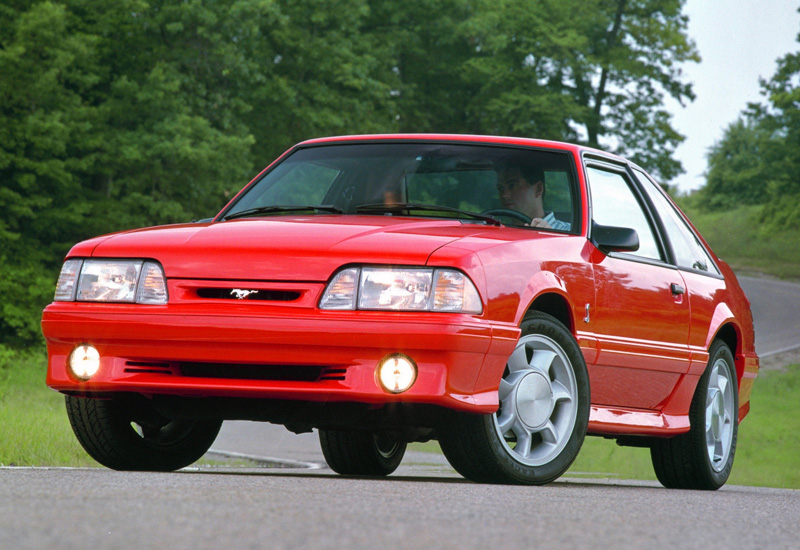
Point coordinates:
pixel 614 239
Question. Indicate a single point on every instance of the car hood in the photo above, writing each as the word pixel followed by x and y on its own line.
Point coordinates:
pixel 288 248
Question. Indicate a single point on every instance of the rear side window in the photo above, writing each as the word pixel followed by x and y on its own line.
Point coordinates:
pixel 689 252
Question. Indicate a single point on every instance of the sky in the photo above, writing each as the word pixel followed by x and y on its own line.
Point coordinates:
pixel 739 42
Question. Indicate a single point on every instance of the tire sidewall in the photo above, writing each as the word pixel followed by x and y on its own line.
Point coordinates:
pixel 103 428
pixel 719 350
pixel 388 461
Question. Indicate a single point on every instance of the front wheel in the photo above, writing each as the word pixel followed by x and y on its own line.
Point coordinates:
pixel 541 423
pixel 361 453
pixel 127 434
pixel 702 458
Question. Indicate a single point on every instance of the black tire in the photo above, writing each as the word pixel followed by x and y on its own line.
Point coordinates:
pixel 360 453
pixel 126 434
pixel 702 458
pixel 544 412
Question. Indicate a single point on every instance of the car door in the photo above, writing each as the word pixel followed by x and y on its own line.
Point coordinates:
pixel 704 282
pixel 641 313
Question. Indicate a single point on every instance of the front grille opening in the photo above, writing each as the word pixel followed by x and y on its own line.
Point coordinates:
pixel 333 374
pixel 148 367
pixel 239 294
pixel 238 371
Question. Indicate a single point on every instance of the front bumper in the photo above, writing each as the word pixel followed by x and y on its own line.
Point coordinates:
pixel 306 356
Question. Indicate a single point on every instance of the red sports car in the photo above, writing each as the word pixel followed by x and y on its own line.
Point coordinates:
pixel 503 296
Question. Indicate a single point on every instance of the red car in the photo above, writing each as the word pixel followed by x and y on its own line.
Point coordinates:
pixel 503 296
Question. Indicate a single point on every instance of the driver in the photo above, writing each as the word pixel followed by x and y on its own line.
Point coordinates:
pixel 521 188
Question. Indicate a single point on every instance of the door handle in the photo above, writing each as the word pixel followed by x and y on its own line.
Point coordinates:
pixel 677 289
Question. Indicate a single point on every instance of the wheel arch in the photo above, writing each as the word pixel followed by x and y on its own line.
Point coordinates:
pixel 547 293
pixel 725 327
pixel 731 335
pixel 554 304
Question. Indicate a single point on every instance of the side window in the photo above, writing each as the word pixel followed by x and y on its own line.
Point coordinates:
pixel 688 250
pixel 614 203
pixel 558 196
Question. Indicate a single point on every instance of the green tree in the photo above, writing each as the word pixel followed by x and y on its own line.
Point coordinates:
pixel 593 71
pixel 45 138
pixel 523 70
pixel 757 161
pixel 782 119
pixel 636 49
pixel 319 69
pixel 103 126
pixel 137 112
pixel 738 171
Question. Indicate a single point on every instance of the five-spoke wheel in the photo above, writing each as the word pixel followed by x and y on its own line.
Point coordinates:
pixel 702 458
pixel 538 401
pixel 542 418
pixel 720 415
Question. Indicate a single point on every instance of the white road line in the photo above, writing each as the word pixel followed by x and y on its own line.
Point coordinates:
pixel 283 462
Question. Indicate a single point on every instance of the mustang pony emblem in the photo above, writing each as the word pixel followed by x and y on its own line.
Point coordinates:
pixel 242 294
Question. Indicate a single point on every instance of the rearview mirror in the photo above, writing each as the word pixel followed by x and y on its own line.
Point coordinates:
pixel 614 239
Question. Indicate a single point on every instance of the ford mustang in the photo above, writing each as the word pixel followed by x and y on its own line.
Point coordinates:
pixel 504 296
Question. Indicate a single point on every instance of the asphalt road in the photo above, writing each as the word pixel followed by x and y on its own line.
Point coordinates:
pixel 776 312
pixel 293 509
pixel 292 501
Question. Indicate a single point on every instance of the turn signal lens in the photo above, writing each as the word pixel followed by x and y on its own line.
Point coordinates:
pixel 84 362
pixel 455 292
pixel 397 373
pixel 152 285
pixel 341 292
pixel 65 287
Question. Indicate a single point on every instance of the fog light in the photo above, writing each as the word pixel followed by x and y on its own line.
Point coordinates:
pixel 84 361
pixel 397 373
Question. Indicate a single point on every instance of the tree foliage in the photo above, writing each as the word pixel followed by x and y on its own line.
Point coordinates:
pixel 137 112
pixel 738 168
pixel 757 161
pixel 782 119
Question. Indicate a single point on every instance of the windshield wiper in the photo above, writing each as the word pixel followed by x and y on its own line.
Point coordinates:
pixel 276 209
pixel 403 207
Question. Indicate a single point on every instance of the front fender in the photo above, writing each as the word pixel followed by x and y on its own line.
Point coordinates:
pixel 542 283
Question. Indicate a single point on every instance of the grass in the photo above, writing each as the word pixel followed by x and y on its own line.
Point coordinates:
pixel 737 237
pixel 34 430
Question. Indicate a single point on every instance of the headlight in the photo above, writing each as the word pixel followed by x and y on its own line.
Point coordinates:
pixel 131 281
pixel 401 289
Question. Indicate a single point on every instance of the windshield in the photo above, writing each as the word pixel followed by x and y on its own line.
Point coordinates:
pixel 416 179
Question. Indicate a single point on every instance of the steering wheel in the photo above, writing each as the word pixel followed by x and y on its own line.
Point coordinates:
pixel 516 214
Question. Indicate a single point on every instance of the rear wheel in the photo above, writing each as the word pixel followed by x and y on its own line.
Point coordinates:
pixel 126 434
pixel 702 458
pixel 544 412
pixel 361 453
